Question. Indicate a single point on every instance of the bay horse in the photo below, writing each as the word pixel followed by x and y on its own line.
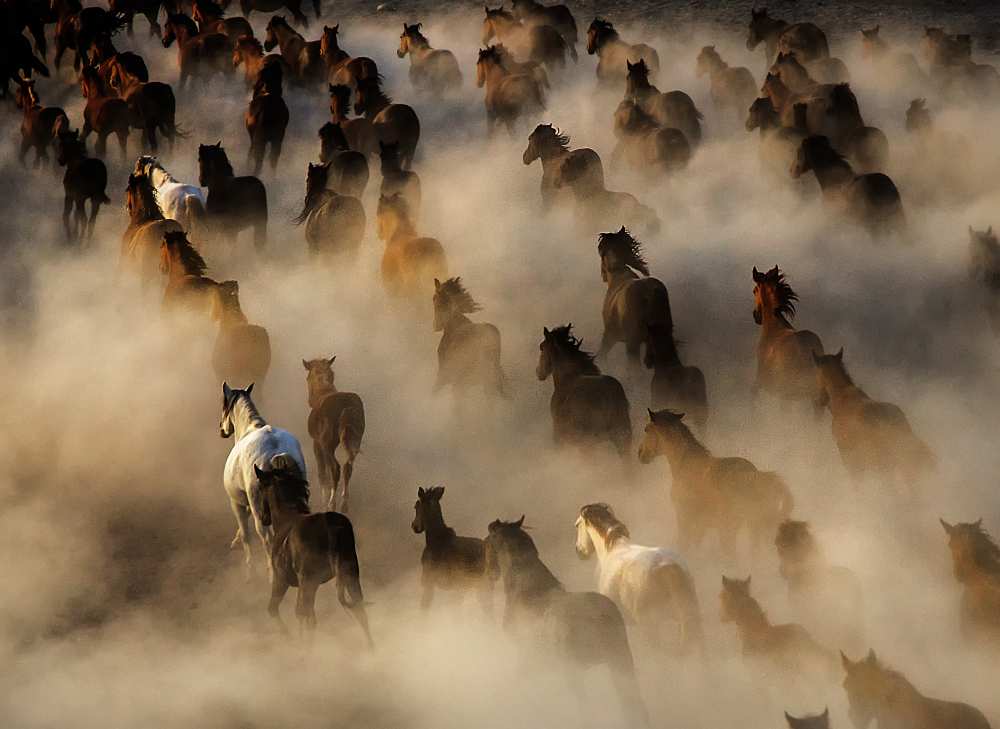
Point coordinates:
pixel 787 647
pixel 448 562
pixel 140 250
pixel 432 70
pixel 732 88
pixel 469 352
pixel 873 437
pixel 785 365
pixel 210 17
pixel 582 628
pixel 652 586
pixel 242 351
pixel 198 55
pixel 335 223
pixel 817 721
pixel 551 146
pixel 648 148
pixel 249 53
pixel 532 13
pixel 410 262
pixel 595 205
pixel 151 104
pixel 778 36
pixel 359 131
pixel 104 114
pixel 234 203
pixel 613 53
pixel 341 67
pixel 391 122
pixel 542 44
pixel 587 407
pixel 39 124
pixel 188 289
pixel 634 300
pixel 256 443
pixel 348 168
pixel 302 57
pixel 308 549
pixel 675 386
pixel 984 270
pixel 266 120
pixel 77 26
pixel 878 693
pixel 709 493
pixel 336 419
pixel 179 201
pixel 673 109
pixel 396 180
pixel 86 178
pixel 509 96
pixel 975 560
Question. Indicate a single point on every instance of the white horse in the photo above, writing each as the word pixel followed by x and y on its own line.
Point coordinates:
pixel 179 201
pixel 257 444
pixel 651 585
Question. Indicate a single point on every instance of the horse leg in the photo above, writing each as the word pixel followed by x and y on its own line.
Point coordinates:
pixel 242 514
pixel 23 151
pixel 95 206
pixel 81 221
pixel 348 471
pixel 101 148
pixel 305 607
pixel 323 469
pixel 275 154
pixel 123 142
pixel 335 465
pixel 150 136
pixel 67 211
pixel 278 589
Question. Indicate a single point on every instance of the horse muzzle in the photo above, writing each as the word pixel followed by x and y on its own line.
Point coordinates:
pixel 400 54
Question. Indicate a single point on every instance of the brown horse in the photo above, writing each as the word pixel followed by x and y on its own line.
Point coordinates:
pixel 266 120
pixel 147 227
pixel 879 693
pixel 104 113
pixel 675 386
pixel 391 122
pixel 85 179
pixel 551 146
pixel 817 721
pixel 587 407
pixel 872 437
pixel 778 36
pixel 242 351
pixel 613 53
pixel 732 88
pixel 976 564
pixel 198 55
pixel 799 76
pixel 432 70
pixel 396 180
pixel 39 124
pixel 410 262
pixel 711 493
pixel 469 352
pixel 249 52
pixel 918 117
pixel 673 109
pixel 210 17
pixel 234 203
pixel 788 647
pixel 542 44
pixel 307 549
pixel 596 205
pixel 348 169
pixel 831 110
pixel 648 148
pixel 531 68
pixel 448 562
pixel 785 364
pixel 106 57
pixel 151 104
pixel 779 145
pixel 303 58
pixel 341 67
pixel 270 6
pixel 188 288
pixel 952 67
pixel 984 270
pixel 898 65
pixel 532 13
pixel 336 419
pixel 360 132
pixel 509 96
pixel 335 223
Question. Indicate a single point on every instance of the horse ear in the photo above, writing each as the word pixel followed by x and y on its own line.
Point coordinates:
pixel 757 275
pixel 261 475
pixel 949 528
pixel 846 662
pixel 218 144
pixel 826 712
pixel 520 522
pixel 226 391
pixel 418 26
pixel 420 492
pixel 840 354
pixel 249 388
pixel 978 523
pixel 437 285
pixel 331 360
pixel 305 364
pixel 494 525
pixel 438 492
pixel 545 332
pixel 652 415
pixel 816 359
pixel 871 658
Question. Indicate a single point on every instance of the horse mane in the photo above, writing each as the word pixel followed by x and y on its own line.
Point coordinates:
pixel 192 261
pixel 291 484
pixel 455 293
pixel 525 553
pixel 625 247
pixel 786 297
pixel 335 132
pixel 490 53
pixel 341 93
pixel 603 518
pixel 316 179
pixel 373 85
pixel 600 25
pixel 415 34
pixel 842 94
pixel 554 135
pixel 570 346
pixel 228 293
pixel 499 12
pixel 985 551
pixel 148 204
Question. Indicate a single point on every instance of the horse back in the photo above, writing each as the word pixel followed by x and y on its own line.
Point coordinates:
pixel 805 40
pixel 940 714
pixel 586 628
pixel 324 420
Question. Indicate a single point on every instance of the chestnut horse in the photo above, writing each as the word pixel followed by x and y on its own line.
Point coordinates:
pixel 147 227
pixel 410 262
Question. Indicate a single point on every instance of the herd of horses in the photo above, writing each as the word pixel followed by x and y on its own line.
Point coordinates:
pixel 809 121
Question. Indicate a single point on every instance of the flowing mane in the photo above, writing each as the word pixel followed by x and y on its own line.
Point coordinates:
pixel 551 135
pixel 625 247
pixel 490 53
pixel 784 296
pixel 141 199
pixel 177 242
pixel 316 179
pixel 372 85
pixel 571 348
pixel 454 293
pixel 604 29
pixel 603 518
pixel 500 13
pixel 332 132
pixel 415 36
pixel 291 488
pixel 985 552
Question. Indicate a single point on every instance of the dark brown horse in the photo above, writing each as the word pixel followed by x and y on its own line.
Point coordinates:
pixel 348 168
pixel 151 104
pixel 587 407
pixel 675 386
pixel 448 562
pixel 142 239
pixel 106 57
pixel 778 36
pixel 540 43
pixel 984 270
pixel 469 352
pixel 341 67
pixel 596 206
pixel 210 17
pixel 249 52
pixel 396 180
pixel 104 114
pixel 779 145
pixel 336 419
pixel 266 120
pixel 391 122
pixel 198 55
pixel 673 109
pixel 234 203
pixel 613 53
pixel 509 96
pixel 188 289
pixel 303 57
pixel 975 560
pixel 733 88
pixel 335 223
pixel 648 148
pixel 242 351
pixel 551 146
pixel 359 131
pixel 432 70
pixel 532 13
pixel 77 26
pixel 39 124
pixel 85 179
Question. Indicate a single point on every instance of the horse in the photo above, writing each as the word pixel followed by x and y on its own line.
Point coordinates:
pixel 448 562
pixel 266 120
pixel 242 351
pixel 469 352
pixel 86 178
pixel 127 9
pixel 542 44
pixel 952 67
pixel 976 565
pixel 650 149
pixel 779 145
pixel 817 721
pixel 307 549
pixel 732 88
pixel 396 180
pixel 335 223
pixel 551 146
pixel 256 443
pixel 151 104
pixel 17 60
pixel 210 17
pixel 787 647
pixel 178 200
pixel 891 63
pixel 105 56
pixel 348 167
pixel 39 124
pixel 785 365
pixel 800 76
pixel 509 96
pixel 831 109
pixel 586 406
pixel 673 109
pixel 984 270
pixel 583 628
pixel 432 70
pixel 872 437
pixel 918 117
pixel 532 68
pixel 233 203
pixel 652 586
pixel 877 692
pixel 188 288
pixel 613 53
pixel 675 386
pixel 269 6
pixel 391 122
pixel 302 57
pixel 410 262
pixel 335 419
pixel 596 205
pixel 727 495
pixel 778 36
pixel 142 239
pixel 531 13
pixel 341 67
pixel 359 132
pixel 77 26
pixel 104 113
pixel 825 596
pixel 198 55
pixel 249 52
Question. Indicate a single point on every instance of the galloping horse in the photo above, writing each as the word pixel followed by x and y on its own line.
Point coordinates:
pixel 342 69
pixel 302 57
pixel 335 223
pixel 234 203
pixel 249 52
pixel 104 113
pixel 469 352
pixel 210 17
pixel 779 145
pixel 613 53
pixel 672 109
pixel 551 146
pixel 391 122
pixel 396 180
pixel 532 13
pixel 651 585
pixel 348 167
pixel 542 44
pixel 151 104
pixel 38 123
pixel 410 261
pixel 509 96
pixel 650 149
pixel 242 351
pixel 432 70
pixel 675 386
pixel 147 227
pixel 975 560
pixel 733 88
pixel 187 285
pixel 359 132
pixel 596 205
pixel 198 55
pixel 804 39
pixel 178 200
pixel 86 178
pixel 266 120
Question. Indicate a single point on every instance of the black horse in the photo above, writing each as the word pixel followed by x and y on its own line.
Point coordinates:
pixel 234 203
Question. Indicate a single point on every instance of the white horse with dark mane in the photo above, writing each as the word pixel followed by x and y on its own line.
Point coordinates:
pixel 651 585
pixel 257 444
pixel 178 200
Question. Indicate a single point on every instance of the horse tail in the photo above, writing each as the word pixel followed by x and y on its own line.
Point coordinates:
pixel 351 428
pixel 657 308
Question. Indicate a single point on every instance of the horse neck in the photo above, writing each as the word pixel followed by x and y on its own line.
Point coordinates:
pixel 565 371
pixel 617 276
pixel 716 65
pixel 552 152
pixel 601 547
pixel 436 532
pixel 283 519
pixel 420 49
pixel 457 320
pixel 145 215
pixel 750 618
pixel 158 176
pixel 833 173
pixel 528 577
pixel 843 392
pixel 318 393
pixel 232 316
pixel 774 322
pixel 495 73
pixel 245 417
pixel 376 103
pixel 683 451
pixel 609 41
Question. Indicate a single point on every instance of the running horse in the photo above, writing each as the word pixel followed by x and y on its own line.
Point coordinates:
pixel 242 351
pixel 147 227
pixel 179 201
pixel 391 122
pixel 551 146
pixel 188 287
pixel 976 564
pixel 234 203
pixel 432 70
pixel 613 53
pixel 469 352
pixel 806 40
